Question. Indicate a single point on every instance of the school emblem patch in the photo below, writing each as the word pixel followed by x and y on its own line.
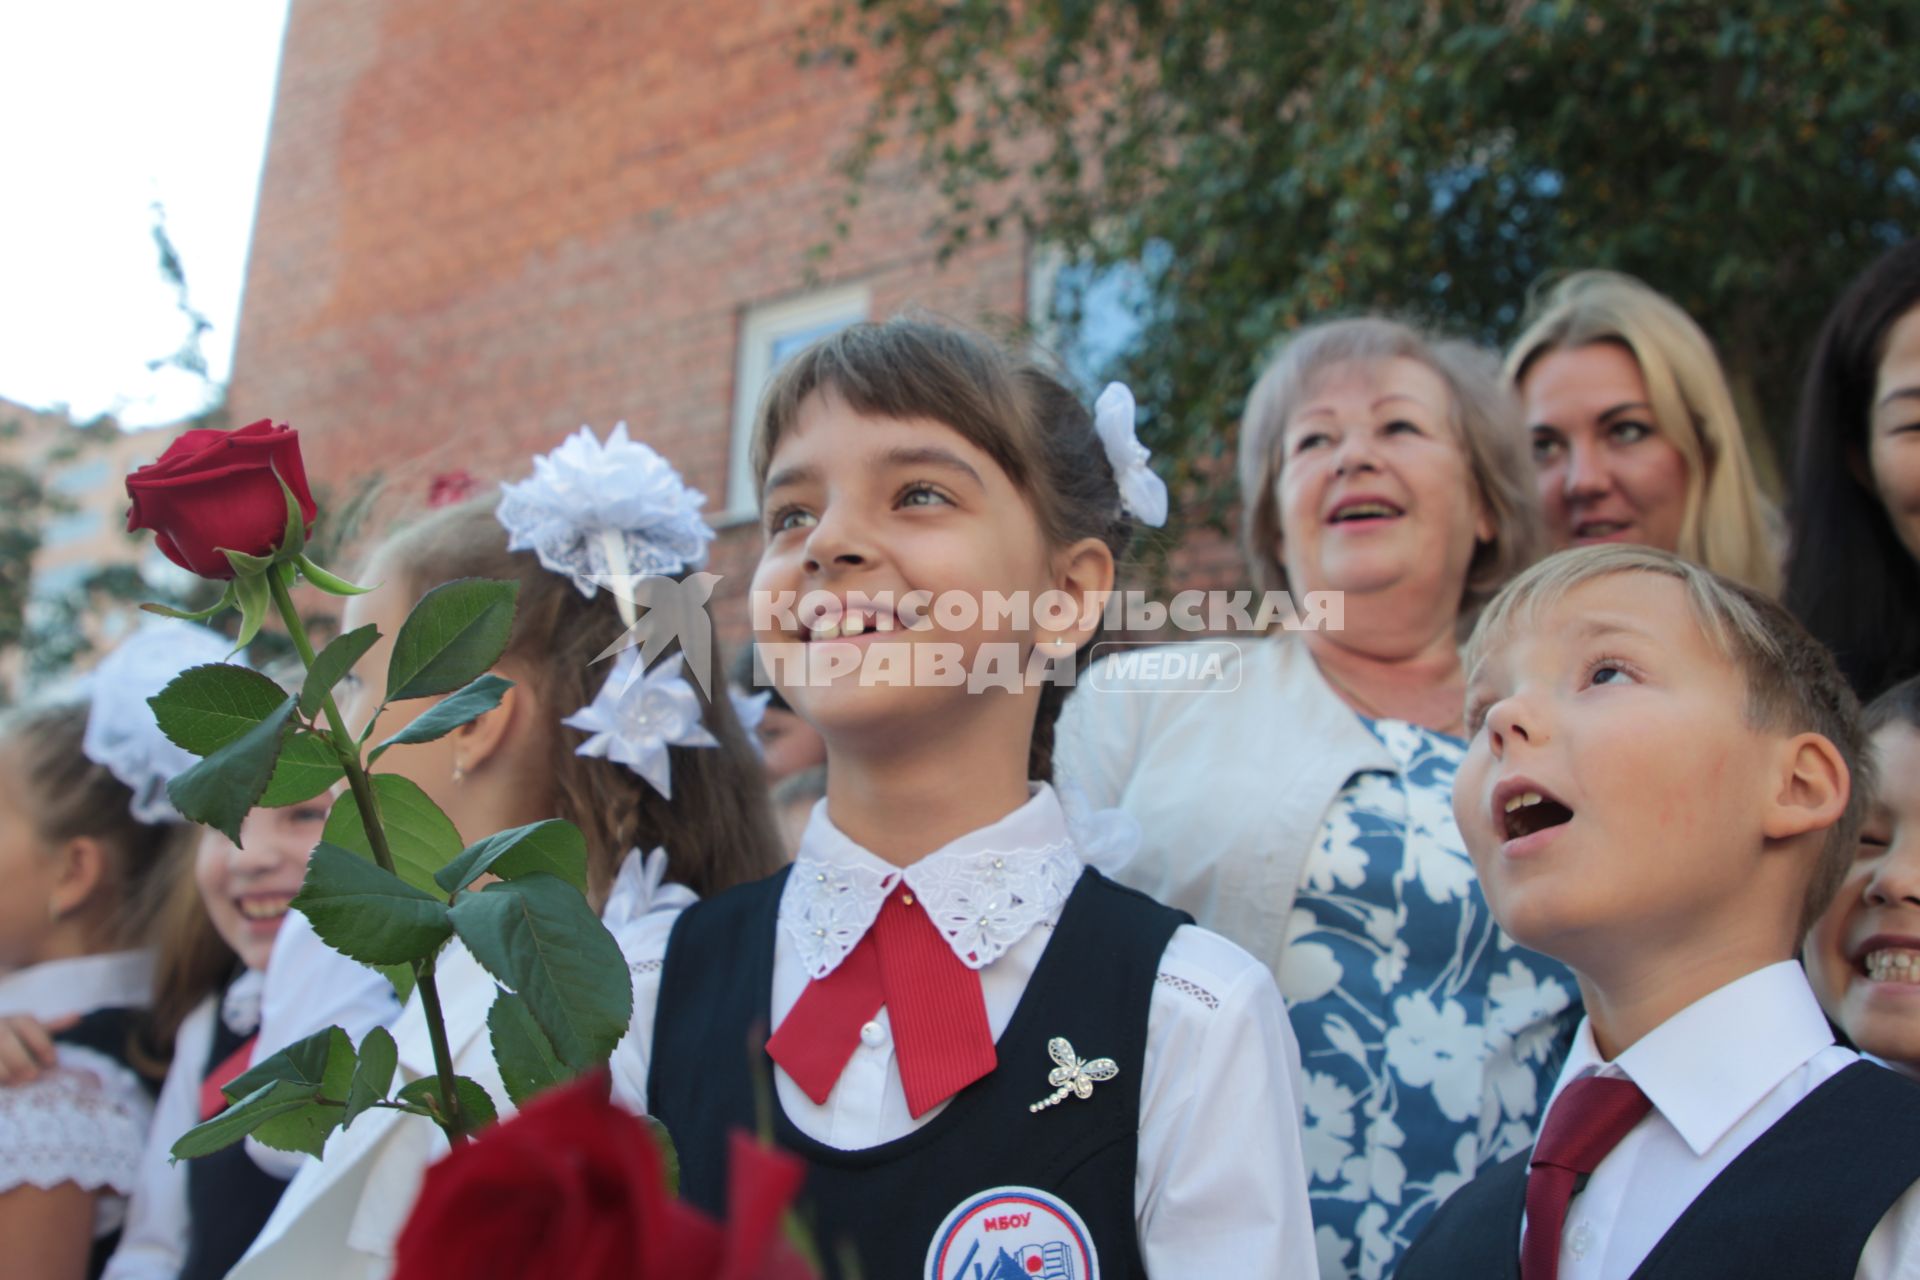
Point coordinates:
pixel 1012 1233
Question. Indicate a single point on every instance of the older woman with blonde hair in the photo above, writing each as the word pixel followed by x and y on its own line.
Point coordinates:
pixel 1634 433
pixel 1297 797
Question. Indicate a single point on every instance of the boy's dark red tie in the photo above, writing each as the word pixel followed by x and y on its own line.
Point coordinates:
pixel 939 1017
pixel 1586 1121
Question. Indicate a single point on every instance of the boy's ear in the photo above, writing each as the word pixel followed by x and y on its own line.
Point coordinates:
pixel 1811 791
pixel 81 869
pixel 1085 571
pixel 481 738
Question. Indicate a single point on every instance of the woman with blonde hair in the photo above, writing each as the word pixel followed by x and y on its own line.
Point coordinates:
pixel 1634 432
pixel 1298 801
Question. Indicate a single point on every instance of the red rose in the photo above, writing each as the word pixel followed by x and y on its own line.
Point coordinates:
pixel 450 487
pixel 216 490
pixel 572 1186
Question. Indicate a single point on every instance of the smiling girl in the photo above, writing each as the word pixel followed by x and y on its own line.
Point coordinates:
pixel 986 1052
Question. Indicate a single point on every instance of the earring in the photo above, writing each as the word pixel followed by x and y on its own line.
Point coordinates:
pixel 1058 646
pixel 459 770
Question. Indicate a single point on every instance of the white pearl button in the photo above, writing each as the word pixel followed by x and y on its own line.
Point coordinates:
pixel 1580 1241
pixel 873 1035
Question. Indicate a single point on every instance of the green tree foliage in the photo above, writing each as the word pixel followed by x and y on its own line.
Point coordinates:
pixel 1263 163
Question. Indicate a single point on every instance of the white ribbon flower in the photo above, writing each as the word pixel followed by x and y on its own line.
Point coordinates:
pixel 1143 495
pixel 752 709
pixel 617 510
pixel 633 721
pixel 121 732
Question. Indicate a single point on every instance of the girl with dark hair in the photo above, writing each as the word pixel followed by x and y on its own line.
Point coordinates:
pixel 993 1060
pixel 1853 575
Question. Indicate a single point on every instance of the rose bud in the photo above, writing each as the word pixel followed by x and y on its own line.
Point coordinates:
pixel 215 491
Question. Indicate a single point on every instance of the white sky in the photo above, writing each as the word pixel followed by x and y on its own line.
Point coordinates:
pixel 107 106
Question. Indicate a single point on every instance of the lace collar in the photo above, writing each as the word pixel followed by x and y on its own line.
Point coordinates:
pixel 984 892
pixel 240 1005
pixel 115 979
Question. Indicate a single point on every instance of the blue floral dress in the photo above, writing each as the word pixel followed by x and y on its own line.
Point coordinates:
pixel 1429 1039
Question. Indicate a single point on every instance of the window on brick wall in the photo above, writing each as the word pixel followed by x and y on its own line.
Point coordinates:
pixel 1090 316
pixel 769 337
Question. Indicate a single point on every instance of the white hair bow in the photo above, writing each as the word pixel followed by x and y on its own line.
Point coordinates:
pixel 1143 495
pixel 122 733
pixel 633 721
pixel 606 511
pixel 752 709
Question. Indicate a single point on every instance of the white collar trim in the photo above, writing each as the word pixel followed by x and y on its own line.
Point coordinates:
pixel 115 979
pixel 984 892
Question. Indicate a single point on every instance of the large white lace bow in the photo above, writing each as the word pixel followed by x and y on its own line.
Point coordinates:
pixel 594 511
pixel 1143 495
pixel 982 901
pixel 122 734
pixel 633 721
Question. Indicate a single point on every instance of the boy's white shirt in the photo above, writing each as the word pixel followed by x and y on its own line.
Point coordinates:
pixel 342 1215
pixel 1720 1073
pixel 1220 1186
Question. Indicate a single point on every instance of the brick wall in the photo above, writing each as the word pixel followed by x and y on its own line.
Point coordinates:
pixel 484 223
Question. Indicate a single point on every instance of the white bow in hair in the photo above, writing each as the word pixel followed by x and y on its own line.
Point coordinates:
pixel 1143 495
pixel 752 709
pixel 615 510
pixel 122 733
pixel 633 721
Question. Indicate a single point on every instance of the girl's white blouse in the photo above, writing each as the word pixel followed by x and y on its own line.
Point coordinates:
pixel 1220 1187
pixel 85 1120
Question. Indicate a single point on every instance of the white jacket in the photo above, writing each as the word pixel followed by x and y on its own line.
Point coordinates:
pixel 1230 781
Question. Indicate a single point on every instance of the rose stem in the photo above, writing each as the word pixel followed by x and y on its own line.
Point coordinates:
pixel 369 806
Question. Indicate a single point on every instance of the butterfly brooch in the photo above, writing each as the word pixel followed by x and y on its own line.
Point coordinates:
pixel 1075 1075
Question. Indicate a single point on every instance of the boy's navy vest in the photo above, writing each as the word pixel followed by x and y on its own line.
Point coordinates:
pixel 1800 1202
pixel 229 1197
pixel 109 1033
pixel 987 1188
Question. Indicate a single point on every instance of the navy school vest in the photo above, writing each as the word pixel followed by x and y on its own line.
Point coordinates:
pixel 986 1189
pixel 109 1033
pixel 1800 1202
pixel 229 1197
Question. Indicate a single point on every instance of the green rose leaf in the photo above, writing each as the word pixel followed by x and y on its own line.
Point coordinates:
pixel 373 1075
pixel 368 914
pixel 220 789
pixel 327 582
pixel 421 837
pixel 308 767
pixel 470 703
pixel 526 1057
pixel 453 635
pixel 552 846
pixel 539 937
pixel 477 1107
pixel 204 708
pixel 670 1158
pixel 273 1101
pixel 318 1071
pixel 331 665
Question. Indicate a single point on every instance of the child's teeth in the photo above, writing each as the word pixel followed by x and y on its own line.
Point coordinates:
pixel 826 631
pixel 1893 964
pixel 1522 801
pixel 854 625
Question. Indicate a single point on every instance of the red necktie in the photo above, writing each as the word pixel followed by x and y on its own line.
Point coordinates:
pixel 939 1016
pixel 1584 1123
pixel 212 1101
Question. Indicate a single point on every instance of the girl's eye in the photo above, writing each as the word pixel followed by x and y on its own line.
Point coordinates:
pixel 1629 432
pixel 789 518
pixel 923 495
pixel 1547 448
pixel 310 813
pixel 1874 843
